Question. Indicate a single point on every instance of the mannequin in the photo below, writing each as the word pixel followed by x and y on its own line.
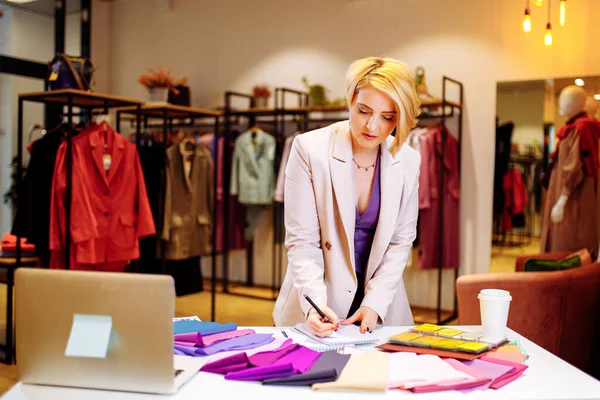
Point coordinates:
pixel 570 214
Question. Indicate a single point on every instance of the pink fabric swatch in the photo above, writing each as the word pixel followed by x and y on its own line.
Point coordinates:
pixel 207 340
pixel 511 376
pixel 275 344
pixel 242 361
pixel 478 379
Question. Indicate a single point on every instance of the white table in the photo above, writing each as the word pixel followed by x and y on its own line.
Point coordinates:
pixel 547 377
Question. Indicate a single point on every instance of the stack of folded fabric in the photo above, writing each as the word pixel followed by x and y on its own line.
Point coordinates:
pixel 280 362
pixel 197 338
pixel 9 247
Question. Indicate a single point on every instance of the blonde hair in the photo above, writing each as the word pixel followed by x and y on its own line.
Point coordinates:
pixel 391 77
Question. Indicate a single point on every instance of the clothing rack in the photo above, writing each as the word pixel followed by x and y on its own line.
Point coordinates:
pixel 454 108
pixel 166 113
pixel 277 116
pixel 70 98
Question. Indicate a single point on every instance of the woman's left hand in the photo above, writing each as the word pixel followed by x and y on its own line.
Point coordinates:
pixel 367 316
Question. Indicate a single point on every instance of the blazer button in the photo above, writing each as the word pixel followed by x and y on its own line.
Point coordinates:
pixel 328 245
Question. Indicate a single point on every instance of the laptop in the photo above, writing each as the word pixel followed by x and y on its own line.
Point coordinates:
pixel 54 309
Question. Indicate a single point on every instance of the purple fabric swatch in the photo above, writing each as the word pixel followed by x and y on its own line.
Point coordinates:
pixel 297 362
pixel 242 361
pixel 179 353
pixel 188 344
pixel 239 343
pixel 491 370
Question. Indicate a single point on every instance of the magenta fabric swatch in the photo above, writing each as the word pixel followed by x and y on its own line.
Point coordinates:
pixel 242 361
pixel 491 370
pixel 188 344
pixel 207 340
pixel 509 377
pixel 478 379
pixel 296 362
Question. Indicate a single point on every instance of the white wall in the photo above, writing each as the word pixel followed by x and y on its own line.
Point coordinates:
pixel 234 44
pixel 30 36
pixel 526 109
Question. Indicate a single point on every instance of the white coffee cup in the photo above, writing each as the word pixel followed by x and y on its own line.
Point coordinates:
pixel 494 305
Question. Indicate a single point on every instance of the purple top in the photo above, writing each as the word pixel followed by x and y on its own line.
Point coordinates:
pixel 365 225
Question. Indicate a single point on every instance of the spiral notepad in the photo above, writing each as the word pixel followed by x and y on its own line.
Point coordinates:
pixel 349 335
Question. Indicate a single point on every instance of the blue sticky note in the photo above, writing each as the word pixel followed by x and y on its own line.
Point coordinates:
pixel 89 336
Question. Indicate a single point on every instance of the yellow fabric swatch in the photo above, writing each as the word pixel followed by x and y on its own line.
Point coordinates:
pixel 367 371
pixel 429 328
pixel 405 337
pixel 426 341
pixel 446 344
pixel 472 347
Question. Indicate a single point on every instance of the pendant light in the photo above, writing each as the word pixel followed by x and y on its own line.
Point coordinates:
pixel 527 20
pixel 548 35
pixel 562 12
pixel 540 3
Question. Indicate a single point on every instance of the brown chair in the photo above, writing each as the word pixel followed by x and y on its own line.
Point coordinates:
pixel 559 311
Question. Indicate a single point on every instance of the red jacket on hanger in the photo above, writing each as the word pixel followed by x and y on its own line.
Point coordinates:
pixel 109 210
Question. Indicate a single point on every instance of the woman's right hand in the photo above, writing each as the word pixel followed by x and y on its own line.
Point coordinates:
pixel 318 326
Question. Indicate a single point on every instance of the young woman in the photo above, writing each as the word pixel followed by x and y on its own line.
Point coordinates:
pixel 351 207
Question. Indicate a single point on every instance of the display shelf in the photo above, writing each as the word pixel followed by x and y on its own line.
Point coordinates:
pixel 79 98
pixel 162 110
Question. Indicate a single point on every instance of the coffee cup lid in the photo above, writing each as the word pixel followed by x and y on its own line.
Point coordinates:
pixel 494 294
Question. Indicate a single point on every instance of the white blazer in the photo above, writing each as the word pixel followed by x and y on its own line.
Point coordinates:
pixel 319 221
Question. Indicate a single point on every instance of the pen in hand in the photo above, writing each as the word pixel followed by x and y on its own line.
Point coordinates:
pixel 321 313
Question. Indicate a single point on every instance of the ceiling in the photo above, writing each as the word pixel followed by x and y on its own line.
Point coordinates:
pixel 45 7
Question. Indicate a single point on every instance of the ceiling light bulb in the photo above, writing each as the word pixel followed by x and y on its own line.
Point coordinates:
pixel 579 82
pixel 21 1
pixel 548 36
pixel 539 3
pixel 562 12
pixel 597 96
pixel 527 22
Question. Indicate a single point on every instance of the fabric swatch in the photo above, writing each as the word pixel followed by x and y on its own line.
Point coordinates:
pixel 509 377
pixel 327 368
pixel 275 344
pixel 205 328
pixel 296 362
pixel 517 358
pixel 240 343
pixel 368 371
pixel 203 340
pixel 476 379
pixel 491 370
pixel 241 361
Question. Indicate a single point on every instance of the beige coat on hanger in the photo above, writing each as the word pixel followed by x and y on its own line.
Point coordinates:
pixel 319 222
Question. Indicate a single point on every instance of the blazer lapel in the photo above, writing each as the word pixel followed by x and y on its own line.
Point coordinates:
pixel 186 176
pixel 340 166
pixel 251 154
pixel 97 151
pixel 392 182
pixel 117 154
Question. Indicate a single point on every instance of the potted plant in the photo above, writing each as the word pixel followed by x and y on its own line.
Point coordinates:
pixel 158 82
pixel 316 92
pixel 261 94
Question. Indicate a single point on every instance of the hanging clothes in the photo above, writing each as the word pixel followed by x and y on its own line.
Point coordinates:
pixel 252 169
pixel 189 204
pixel 432 162
pixel 515 199
pixel 109 207
pixel 32 220
pixel 574 174
pixel 252 177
